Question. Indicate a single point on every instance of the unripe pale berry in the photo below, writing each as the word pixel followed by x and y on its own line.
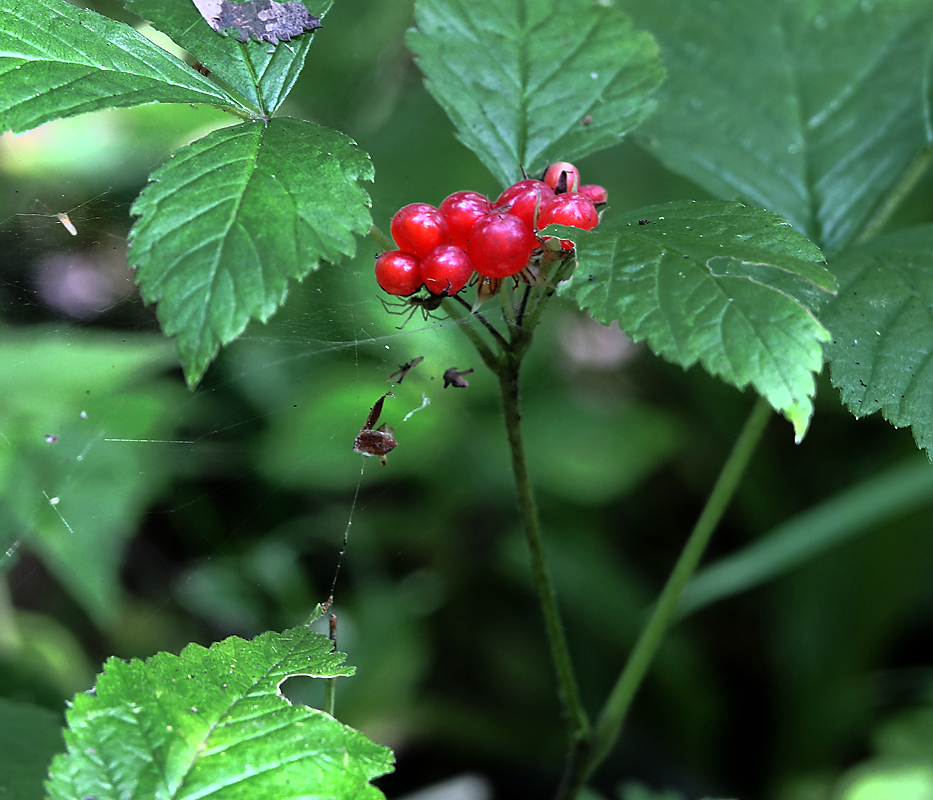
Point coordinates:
pixel 571 180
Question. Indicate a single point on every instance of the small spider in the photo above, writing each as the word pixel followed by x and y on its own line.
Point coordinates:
pixel 407 306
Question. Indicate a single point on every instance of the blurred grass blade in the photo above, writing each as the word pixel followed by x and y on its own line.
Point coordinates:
pixel 832 523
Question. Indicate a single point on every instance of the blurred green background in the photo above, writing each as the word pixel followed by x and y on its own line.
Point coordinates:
pixel 137 516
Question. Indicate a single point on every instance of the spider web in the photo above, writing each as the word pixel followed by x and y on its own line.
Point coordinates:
pixel 253 506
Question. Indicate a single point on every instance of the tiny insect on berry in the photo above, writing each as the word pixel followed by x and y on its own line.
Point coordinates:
pixel 596 193
pixel 501 245
pixel 398 273
pixel 571 209
pixel 562 176
pixel 447 268
pixel 525 198
pixel 463 210
pixel 418 228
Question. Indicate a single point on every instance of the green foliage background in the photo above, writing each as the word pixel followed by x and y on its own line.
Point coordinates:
pixel 776 692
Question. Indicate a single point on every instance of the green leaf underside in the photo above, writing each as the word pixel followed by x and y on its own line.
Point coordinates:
pixel 881 322
pixel 812 110
pixel 232 218
pixel 261 72
pixel 531 81
pixel 212 723
pixel 730 287
pixel 57 60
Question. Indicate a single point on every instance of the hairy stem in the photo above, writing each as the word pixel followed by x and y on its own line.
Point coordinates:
pixel 614 712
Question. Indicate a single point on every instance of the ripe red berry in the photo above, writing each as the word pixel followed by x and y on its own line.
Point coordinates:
pixel 525 199
pixel 447 268
pixel 572 209
pixel 552 177
pixel 398 273
pixel 418 228
pixel 501 245
pixel 463 210
pixel 597 194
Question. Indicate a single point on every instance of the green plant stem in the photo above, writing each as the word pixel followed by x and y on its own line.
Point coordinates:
pixel 384 241
pixel 480 318
pixel 560 652
pixel 892 202
pixel 614 712
pixel 485 352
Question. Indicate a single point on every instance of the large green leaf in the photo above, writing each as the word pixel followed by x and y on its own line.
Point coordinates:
pixel 881 323
pixel 261 72
pixel 57 60
pixel 814 110
pixel 527 81
pixel 840 519
pixel 213 723
pixel 69 487
pixel 231 218
pixel 730 287
pixel 29 737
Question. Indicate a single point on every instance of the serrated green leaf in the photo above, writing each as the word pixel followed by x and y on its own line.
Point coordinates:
pixel 73 496
pixel 531 81
pixel 812 110
pixel 57 60
pixel 882 330
pixel 29 737
pixel 730 287
pixel 261 72
pixel 232 218
pixel 213 723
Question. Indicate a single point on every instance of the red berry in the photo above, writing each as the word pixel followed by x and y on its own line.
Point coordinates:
pixel 501 245
pixel 463 210
pixel 525 198
pixel 398 273
pixel 572 209
pixel 597 194
pixel 418 228
pixel 447 268
pixel 552 177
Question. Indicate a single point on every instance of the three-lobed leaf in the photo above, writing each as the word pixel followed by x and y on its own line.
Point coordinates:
pixel 527 81
pixel 815 111
pixel 881 353
pixel 57 60
pixel 232 218
pixel 730 287
pixel 212 722
pixel 262 73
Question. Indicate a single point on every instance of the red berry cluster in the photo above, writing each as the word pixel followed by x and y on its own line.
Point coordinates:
pixel 440 248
